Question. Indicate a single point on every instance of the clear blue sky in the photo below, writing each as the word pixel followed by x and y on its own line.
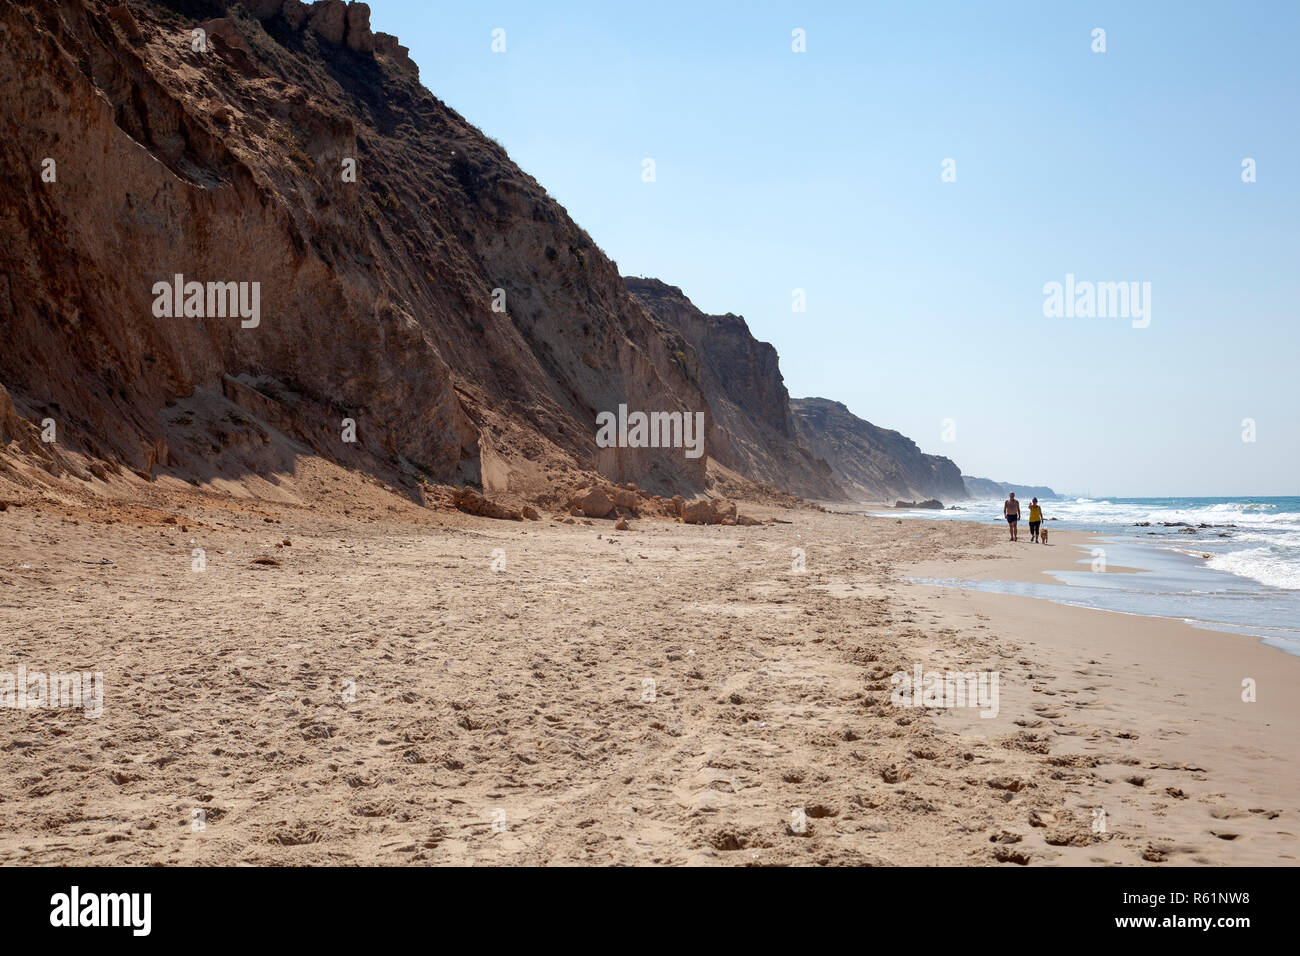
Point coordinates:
pixel 822 171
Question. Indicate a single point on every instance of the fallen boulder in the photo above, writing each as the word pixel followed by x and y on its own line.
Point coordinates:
pixel 593 503
pixel 625 499
pixel 471 502
pixel 707 511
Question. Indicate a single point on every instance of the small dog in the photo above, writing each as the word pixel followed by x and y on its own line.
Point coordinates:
pixel 1042 533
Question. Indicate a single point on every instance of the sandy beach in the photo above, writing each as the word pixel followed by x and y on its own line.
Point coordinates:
pixel 370 682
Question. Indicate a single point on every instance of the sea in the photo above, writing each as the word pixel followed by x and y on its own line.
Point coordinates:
pixel 1228 564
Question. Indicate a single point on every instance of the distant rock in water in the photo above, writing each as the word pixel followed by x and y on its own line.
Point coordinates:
pixel 933 504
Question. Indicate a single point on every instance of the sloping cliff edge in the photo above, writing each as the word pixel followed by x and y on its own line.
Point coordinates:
pixel 243 233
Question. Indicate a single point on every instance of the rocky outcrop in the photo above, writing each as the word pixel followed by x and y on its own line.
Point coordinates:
pixel 386 45
pixel 295 13
pixel 262 9
pixel 15 429
pixel 328 18
pixel 752 430
pixel 876 464
pixel 358 37
pixel 335 22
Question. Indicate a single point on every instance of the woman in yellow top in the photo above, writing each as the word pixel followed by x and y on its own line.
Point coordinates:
pixel 1035 519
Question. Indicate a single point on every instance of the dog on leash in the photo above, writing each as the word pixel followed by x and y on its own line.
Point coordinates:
pixel 1042 533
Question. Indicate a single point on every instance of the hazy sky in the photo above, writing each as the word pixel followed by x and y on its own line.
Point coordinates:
pixel 822 171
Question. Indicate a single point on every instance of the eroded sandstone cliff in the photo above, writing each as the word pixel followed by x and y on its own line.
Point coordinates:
pixel 754 431
pixel 288 147
pixel 874 463
pixel 238 234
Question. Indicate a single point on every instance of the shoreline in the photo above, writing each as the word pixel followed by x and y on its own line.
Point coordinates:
pixel 1044 565
pixel 1187 678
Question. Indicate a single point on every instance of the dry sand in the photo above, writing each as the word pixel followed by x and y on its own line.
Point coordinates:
pixel 381 695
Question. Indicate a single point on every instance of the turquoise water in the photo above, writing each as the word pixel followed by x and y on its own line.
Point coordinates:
pixel 1231 564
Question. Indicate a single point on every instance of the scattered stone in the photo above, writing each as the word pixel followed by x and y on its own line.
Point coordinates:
pixel 1004 854
pixel 1042 818
pixel 894 773
pixel 1069 836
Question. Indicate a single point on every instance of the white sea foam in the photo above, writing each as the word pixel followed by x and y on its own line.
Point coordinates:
pixel 1274 567
pixel 1245 576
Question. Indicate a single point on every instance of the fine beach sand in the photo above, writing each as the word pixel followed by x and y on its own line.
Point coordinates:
pixel 518 696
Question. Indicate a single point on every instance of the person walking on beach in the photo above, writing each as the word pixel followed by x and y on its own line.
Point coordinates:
pixel 1011 508
pixel 1035 519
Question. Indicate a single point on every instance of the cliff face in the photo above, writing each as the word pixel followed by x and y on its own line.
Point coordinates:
pixel 754 430
pixel 138 154
pixel 238 234
pixel 874 463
